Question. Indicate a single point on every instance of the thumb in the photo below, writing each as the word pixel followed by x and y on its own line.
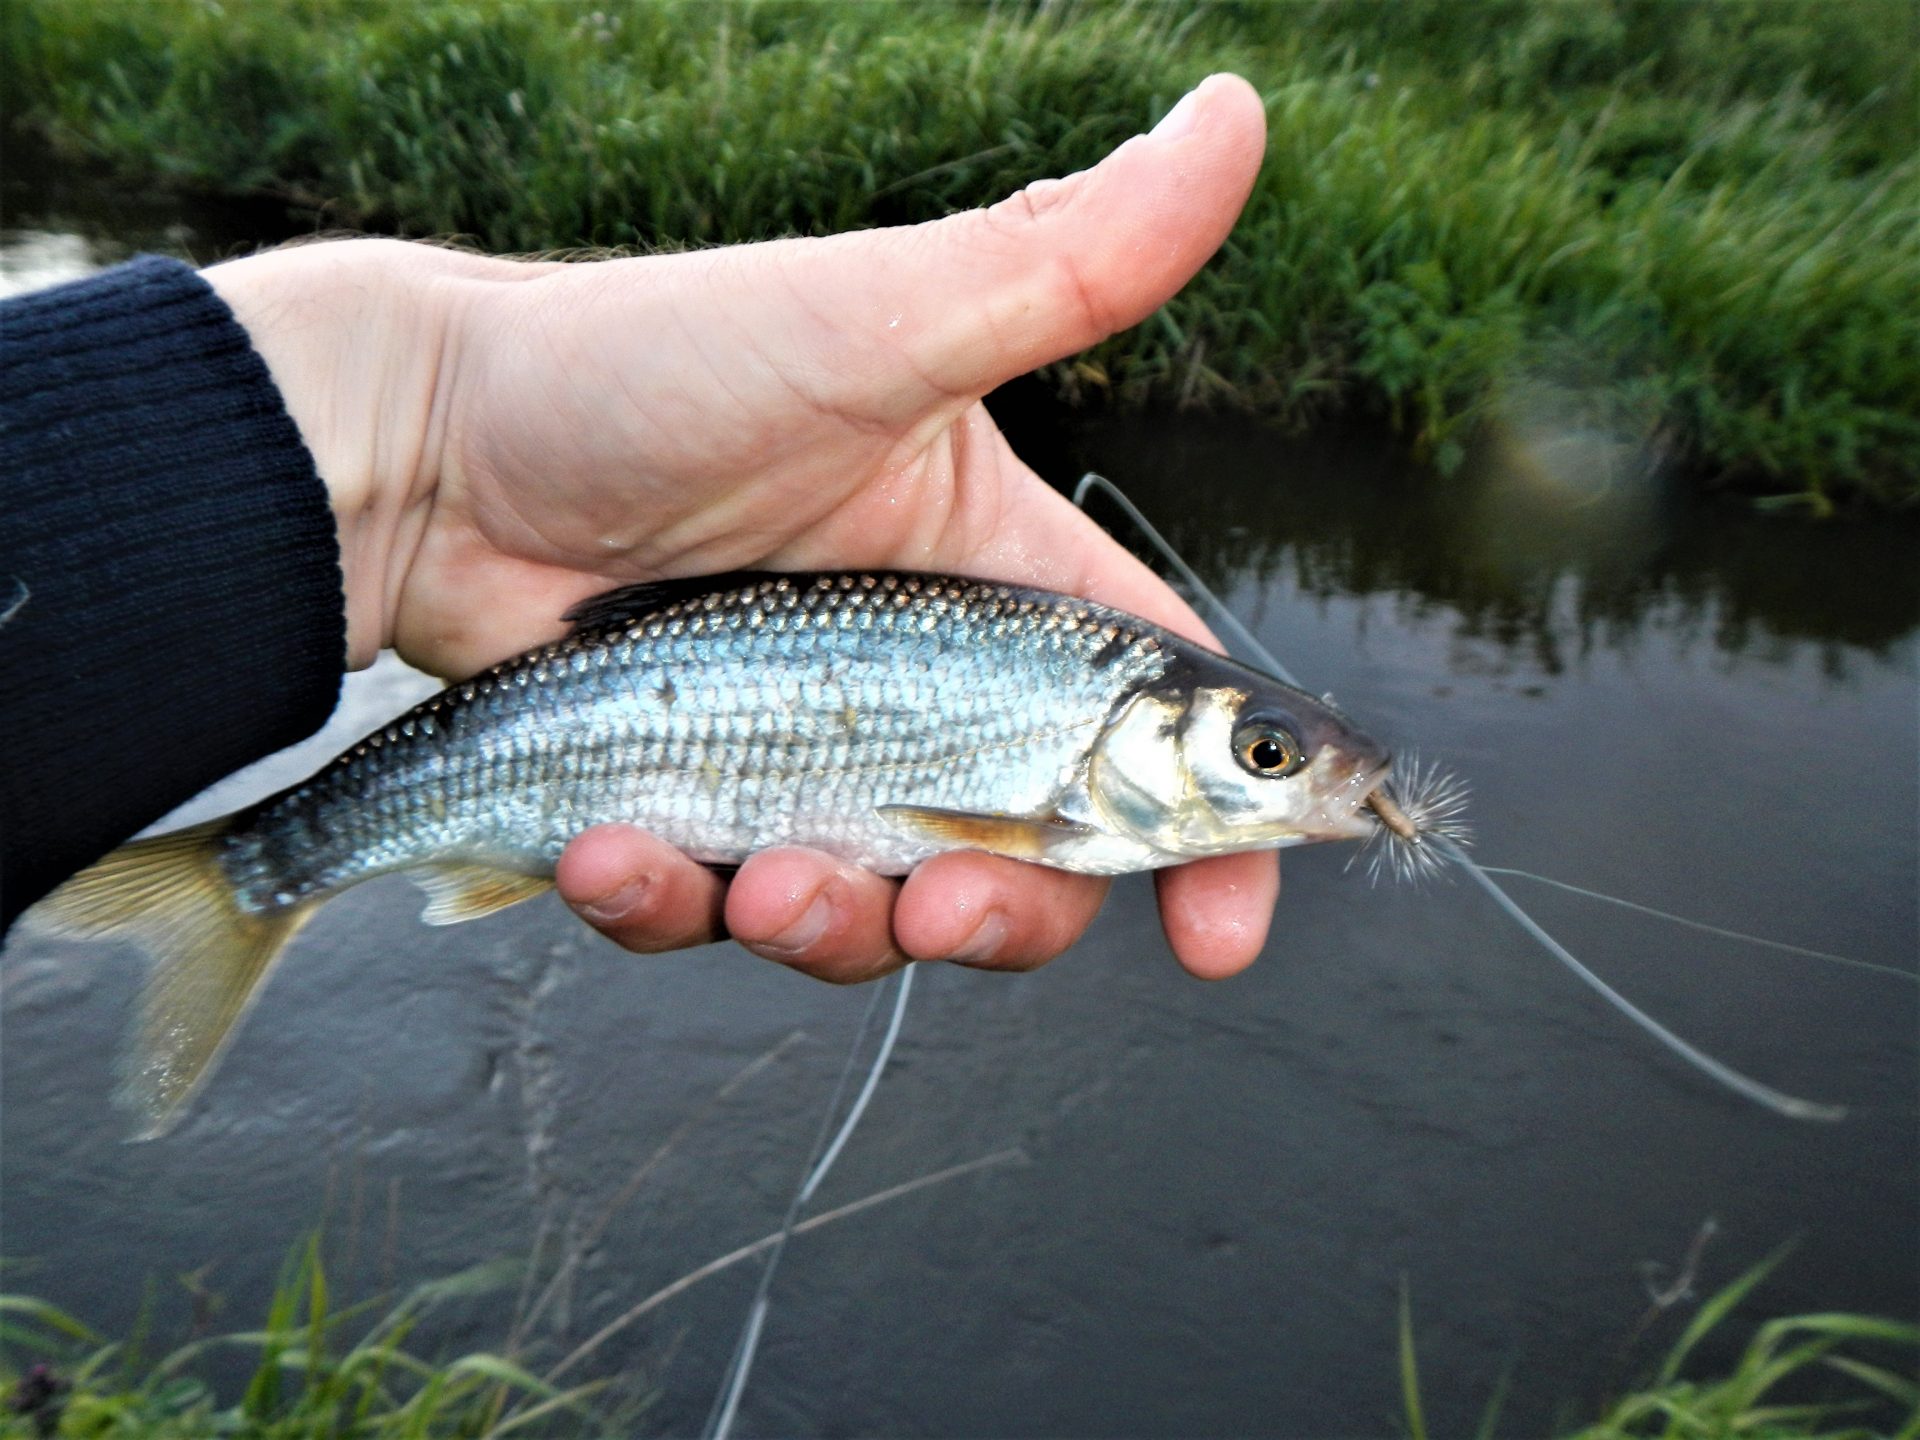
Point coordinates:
pixel 981 297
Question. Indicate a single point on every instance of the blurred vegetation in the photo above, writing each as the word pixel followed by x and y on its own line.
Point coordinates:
pixel 1696 223
pixel 1829 1376
pixel 318 1369
pixel 314 1369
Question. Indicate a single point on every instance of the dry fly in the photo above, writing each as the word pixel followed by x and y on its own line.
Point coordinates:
pixel 1422 813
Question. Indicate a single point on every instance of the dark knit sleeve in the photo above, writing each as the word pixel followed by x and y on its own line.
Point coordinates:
pixel 170 597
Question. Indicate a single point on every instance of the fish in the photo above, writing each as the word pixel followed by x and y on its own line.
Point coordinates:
pixel 882 717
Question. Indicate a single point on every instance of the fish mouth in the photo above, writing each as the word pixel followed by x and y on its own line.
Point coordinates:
pixel 1418 805
pixel 1353 812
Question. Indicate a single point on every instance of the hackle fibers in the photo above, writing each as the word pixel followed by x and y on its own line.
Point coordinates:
pixel 1433 802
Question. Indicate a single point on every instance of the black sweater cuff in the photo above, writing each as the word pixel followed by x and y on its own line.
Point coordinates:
pixel 169 569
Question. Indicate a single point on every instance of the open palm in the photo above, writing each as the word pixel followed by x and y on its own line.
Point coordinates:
pixel 798 404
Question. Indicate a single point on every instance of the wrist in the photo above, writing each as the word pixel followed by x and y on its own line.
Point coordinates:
pixel 352 333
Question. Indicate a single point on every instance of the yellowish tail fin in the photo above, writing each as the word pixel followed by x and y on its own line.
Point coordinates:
pixel 170 897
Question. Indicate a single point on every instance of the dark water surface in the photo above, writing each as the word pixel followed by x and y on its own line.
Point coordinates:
pixel 1222 1187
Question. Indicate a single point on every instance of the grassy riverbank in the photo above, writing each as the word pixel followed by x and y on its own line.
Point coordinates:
pixel 316 1369
pixel 1694 228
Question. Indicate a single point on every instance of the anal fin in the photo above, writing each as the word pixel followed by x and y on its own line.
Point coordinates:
pixel 457 892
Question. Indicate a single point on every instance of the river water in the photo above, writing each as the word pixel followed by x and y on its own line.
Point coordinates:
pixel 1215 1193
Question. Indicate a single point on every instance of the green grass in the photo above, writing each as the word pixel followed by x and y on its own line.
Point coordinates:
pixel 1696 225
pixel 319 1370
pixel 1799 1377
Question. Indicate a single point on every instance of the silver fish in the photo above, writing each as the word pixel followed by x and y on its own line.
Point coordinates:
pixel 881 717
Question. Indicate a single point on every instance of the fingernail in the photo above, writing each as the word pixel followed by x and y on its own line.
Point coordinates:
pixel 805 931
pixel 618 904
pixel 985 942
pixel 1177 122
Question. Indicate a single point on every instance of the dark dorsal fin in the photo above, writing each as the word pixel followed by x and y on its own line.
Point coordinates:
pixel 636 602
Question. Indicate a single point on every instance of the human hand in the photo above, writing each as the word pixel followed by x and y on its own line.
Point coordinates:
pixel 502 439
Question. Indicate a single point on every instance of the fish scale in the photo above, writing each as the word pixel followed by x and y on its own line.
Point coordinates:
pixel 784 711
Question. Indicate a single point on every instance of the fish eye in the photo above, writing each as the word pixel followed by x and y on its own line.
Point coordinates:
pixel 1266 749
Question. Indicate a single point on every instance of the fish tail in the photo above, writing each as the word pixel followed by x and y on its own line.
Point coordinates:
pixel 170 896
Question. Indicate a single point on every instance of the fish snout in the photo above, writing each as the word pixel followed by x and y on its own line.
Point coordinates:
pixel 1354 768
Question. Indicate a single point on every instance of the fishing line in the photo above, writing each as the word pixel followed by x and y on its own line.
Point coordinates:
pixel 1226 617
pixel 1827 955
pixel 1792 1106
pixel 733 1384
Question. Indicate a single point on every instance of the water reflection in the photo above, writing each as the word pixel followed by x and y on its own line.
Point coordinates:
pixel 1525 566
pixel 60 220
pixel 33 259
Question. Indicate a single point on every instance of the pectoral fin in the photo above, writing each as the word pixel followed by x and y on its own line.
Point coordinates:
pixel 466 892
pixel 1043 838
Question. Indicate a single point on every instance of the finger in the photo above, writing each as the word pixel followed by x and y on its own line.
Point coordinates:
pixel 995 914
pixel 1070 262
pixel 822 916
pixel 1058 266
pixel 639 891
pixel 879 326
pixel 1216 912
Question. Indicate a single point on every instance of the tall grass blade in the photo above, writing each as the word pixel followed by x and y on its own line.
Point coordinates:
pixel 1410 1369
pixel 1717 1309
